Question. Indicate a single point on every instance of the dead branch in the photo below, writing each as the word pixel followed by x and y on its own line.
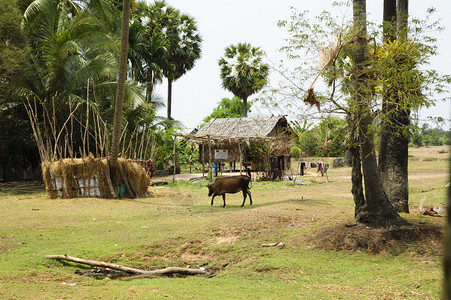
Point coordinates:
pixel 281 244
pixel 159 272
pixel 64 127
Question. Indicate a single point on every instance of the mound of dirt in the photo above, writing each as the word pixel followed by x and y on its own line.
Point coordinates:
pixel 421 238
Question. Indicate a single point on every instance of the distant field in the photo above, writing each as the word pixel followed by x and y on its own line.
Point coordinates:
pixel 176 226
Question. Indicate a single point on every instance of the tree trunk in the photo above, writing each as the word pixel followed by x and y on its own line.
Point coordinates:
pixel 245 107
pixel 375 209
pixel 393 153
pixel 115 143
pixel 348 158
pixel 356 179
pixel 149 87
pixel 389 20
pixel 402 18
pixel 169 98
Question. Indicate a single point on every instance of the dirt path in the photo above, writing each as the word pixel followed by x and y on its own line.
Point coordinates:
pixel 186 177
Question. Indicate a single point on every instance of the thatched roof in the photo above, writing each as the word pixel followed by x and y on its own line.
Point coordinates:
pixel 246 127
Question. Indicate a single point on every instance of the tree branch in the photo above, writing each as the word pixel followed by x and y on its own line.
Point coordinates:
pixel 159 272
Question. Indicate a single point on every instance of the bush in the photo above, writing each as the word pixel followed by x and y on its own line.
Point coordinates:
pixel 295 152
pixel 326 139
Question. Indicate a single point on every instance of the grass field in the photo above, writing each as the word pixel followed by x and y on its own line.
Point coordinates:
pixel 176 226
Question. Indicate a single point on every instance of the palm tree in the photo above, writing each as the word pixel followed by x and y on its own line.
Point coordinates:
pixel 183 40
pixel 242 71
pixel 148 50
pixel 184 50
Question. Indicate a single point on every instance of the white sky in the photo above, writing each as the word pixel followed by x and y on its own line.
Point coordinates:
pixel 226 22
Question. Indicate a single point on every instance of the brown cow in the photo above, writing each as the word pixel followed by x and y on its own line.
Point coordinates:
pixel 231 184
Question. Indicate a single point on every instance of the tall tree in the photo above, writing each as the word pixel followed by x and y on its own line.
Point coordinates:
pixel 183 38
pixel 243 72
pixel 184 50
pixel 118 110
pixel 18 152
pixel 148 49
pixel 372 205
pixel 393 150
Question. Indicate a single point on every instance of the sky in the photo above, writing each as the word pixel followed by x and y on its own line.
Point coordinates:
pixel 227 22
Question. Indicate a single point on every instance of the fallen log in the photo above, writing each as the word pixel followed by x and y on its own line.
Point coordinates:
pixel 159 272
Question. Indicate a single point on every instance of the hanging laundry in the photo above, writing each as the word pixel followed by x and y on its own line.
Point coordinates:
pixel 320 168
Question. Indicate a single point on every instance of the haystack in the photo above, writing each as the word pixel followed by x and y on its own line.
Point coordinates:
pixel 90 177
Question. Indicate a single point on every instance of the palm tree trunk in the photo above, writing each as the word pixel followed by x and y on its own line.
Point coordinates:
pixel 245 107
pixel 169 98
pixel 120 85
pixel 402 18
pixel 375 210
pixel 149 86
pixel 393 154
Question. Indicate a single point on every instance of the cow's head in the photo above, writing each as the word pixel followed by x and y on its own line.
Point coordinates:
pixel 210 190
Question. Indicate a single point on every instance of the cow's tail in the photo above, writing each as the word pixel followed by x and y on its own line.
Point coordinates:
pixel 250 183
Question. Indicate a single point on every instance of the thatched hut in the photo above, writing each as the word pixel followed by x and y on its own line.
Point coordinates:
pixel 239 139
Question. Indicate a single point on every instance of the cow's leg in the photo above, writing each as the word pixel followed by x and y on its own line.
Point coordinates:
pixel 250 197
pixel 214 195
pixel 223 199
pixel 244 197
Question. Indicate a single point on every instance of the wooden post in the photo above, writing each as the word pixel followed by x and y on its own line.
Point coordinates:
pixel 241 157
pixel 173 175
pixel 203 160
pixel 209 159
pixel 127 187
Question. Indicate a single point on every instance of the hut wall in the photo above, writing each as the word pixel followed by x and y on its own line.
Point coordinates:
pixel 233 151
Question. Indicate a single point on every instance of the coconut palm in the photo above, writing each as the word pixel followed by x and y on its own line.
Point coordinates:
pixel 243 72
pixel 73 49
pixel 68 46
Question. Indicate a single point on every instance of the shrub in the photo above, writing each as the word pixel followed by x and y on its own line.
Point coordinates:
pixel 295 152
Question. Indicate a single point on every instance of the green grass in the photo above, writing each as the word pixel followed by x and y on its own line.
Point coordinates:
pixel 176 226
